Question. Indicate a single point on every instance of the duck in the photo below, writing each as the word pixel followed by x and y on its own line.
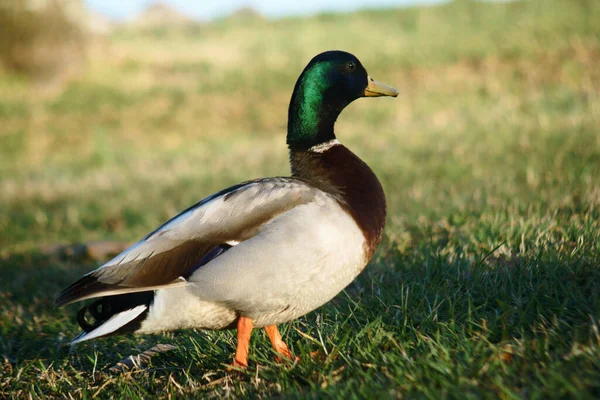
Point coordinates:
pixel 259 253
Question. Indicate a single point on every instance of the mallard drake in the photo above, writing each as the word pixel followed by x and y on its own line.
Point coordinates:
pixel 262 252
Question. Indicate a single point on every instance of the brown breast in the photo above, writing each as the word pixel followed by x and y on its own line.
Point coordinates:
pixel 340 172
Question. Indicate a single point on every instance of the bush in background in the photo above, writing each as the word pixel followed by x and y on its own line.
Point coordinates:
pixel 41 38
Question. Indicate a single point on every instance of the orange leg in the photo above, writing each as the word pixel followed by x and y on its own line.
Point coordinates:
pixel 276 341
pixel 244 330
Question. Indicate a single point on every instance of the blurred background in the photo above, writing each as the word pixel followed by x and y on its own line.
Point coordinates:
pixel 116 115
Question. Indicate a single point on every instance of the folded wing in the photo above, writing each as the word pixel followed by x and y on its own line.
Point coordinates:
pixel 168 255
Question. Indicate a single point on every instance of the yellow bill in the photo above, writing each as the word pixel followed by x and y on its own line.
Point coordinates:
pixel 377 89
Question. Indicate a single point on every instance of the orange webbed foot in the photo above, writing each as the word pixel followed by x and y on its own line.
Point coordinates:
pixel 236 365
pixel 279 345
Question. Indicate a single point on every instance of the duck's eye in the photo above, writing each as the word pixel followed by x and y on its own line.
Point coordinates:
pixel 351 66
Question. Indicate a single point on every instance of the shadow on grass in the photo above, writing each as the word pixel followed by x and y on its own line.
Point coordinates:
pixel 505 296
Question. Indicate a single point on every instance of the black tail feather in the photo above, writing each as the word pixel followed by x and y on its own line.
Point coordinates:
pixel 103 309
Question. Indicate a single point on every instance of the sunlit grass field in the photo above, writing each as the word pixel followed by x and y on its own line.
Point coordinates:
pixel 487 283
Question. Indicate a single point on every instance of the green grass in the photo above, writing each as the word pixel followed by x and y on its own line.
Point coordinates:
pixel 487 283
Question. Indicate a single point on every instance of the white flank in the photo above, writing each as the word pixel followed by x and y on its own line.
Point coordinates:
pixel 323 147
pixel 113 323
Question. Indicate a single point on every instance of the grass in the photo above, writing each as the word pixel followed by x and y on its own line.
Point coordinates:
pixel 487 283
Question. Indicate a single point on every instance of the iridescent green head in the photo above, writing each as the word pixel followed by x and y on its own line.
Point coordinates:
pixel 330 82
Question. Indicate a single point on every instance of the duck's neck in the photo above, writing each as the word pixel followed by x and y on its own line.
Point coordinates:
pixel 313 111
